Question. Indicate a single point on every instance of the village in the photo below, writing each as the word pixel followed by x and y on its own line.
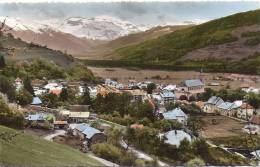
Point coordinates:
pixel 82 126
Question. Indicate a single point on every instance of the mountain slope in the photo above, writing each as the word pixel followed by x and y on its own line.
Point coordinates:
pixel 173 47
pixel 17 50
pixel 17 148
pixel 105 51
pixel 57 40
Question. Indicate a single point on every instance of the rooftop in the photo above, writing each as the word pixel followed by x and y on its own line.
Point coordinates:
pixel 175 137
pixel 173 114
pixel 193 82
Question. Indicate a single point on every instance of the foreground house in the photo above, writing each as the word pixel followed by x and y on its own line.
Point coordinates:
pixel 174 137
pixel 89 134
pixel 175 114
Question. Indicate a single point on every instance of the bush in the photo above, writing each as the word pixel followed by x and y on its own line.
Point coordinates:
pixel 196 162
pixel 114 154
pixel 23 97
pixel 8 117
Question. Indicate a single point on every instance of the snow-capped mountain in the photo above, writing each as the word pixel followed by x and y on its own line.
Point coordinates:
pixel 101 27
pixel 75 35
pixel 96 28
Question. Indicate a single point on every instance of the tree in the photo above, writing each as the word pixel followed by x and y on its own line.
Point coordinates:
pixel 23 97
pixel 150 88
pixel 2 62
pixel 196 125
pixel 8 117
pixel 145 110
pixel 86 97
pixel 64 95
pixel 253 99
pixel 50 100
pixel 27 85
pixel 6 87
pixel 207 94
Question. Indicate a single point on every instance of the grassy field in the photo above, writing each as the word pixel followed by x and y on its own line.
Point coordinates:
pixel 225 127
pixel 17 148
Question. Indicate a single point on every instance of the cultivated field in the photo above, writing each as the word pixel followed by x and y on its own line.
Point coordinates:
pixel 224 127
pixel 173 77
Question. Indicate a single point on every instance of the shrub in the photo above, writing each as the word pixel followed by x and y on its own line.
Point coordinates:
pixel 23 97
pixel 8 117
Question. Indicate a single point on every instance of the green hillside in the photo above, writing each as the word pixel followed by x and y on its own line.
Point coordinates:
pixel 17 50
pixel 17 148
pixel 169 48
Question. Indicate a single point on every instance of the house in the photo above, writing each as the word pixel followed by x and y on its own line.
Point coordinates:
pixel 60 124
pixel 110 82
pixel 36 117
pixel 251 90
pixel 36 101
pixel 40 117
pixel 92 91
pixel 167 96
pixel 255 120
pixel 78 116
pixel 211 105
pixel 245 111
pixel 54 88
pixel 88 133
pixel 193 86
pixel 175 114
pixel 174 137
pixel 39 91
pixel 228 109
pixel 170 87
pixel 157 98
pixel 137 94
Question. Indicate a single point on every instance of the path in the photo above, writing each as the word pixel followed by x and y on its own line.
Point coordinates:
pixel 103 161
pixel 62 132
pixel 52 135
pixel 140 154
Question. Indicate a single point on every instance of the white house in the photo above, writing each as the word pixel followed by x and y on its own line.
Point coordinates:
pixel 170 87
pixel 245 111
pixel 211 105
pixel 193 86
pixel 167 96
pixel 175 114
pixel 227 108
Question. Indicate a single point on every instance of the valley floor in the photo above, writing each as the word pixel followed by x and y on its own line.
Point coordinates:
pixel 123 75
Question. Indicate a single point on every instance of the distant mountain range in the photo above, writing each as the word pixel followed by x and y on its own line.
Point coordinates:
pixel 76 35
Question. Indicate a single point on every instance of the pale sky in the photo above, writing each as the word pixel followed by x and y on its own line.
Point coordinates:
pixel 138 12
pixel 72 1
